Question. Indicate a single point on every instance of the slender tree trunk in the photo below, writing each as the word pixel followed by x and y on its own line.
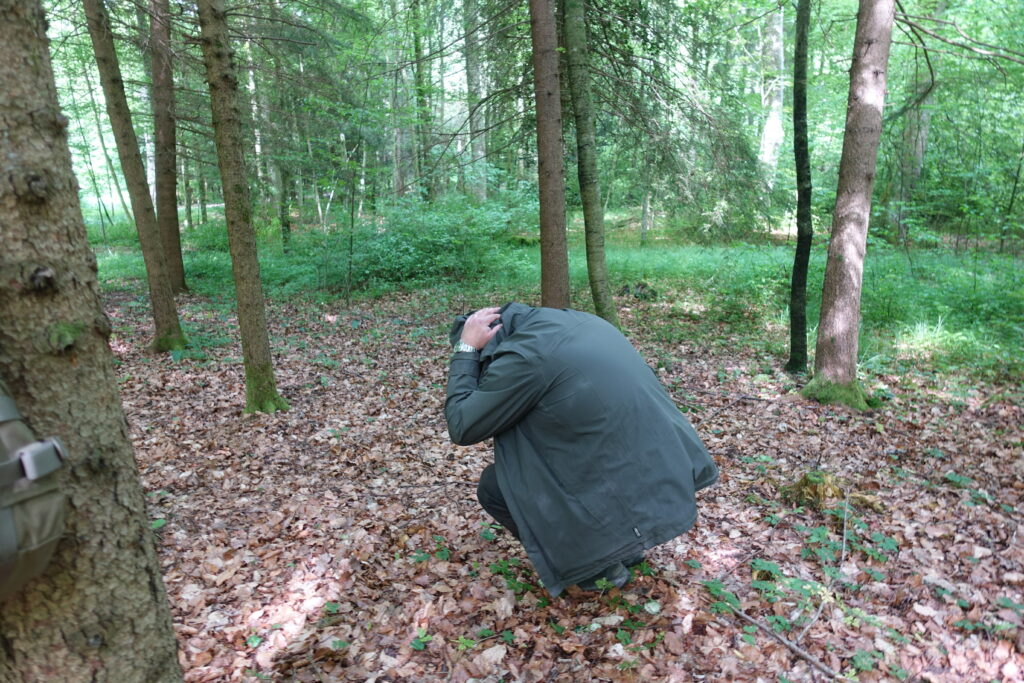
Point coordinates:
pixel 554 257
pixel 1013 198
pixel 804 226
pixel 284 210
pixel 142 37
pixel 772 95
pixel 112 171
pixel 835 363
pixel 86 148
pixel 168 333
pixel 421 72
pixel 586 151
pixel 201 186
pixel 165 154
pixel 99 612
pixel 187 181
pixel 260 388
pixel 477 171
pixel 645 218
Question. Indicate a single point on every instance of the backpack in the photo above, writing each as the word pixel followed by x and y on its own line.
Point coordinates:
pixel 32 507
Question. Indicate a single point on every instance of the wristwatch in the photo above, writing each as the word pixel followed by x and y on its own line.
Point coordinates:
pixel 464 347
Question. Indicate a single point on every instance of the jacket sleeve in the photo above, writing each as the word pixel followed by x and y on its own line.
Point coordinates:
pixel 477 407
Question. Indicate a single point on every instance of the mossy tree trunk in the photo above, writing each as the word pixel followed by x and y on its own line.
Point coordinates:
pixel 260 388
pixel 804 227
pixel 99 612
pixel 554 256
pixel 575 32
pixel 835 363
pixel 165 316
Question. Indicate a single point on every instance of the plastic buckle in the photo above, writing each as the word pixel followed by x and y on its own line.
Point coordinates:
pixel 41 458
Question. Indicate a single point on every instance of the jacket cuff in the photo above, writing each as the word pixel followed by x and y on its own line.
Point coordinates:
pixel 465 363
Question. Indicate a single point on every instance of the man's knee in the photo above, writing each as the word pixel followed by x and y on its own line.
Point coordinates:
pixel 487 491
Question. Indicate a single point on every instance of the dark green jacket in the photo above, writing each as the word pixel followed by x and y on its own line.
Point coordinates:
pixel 593 458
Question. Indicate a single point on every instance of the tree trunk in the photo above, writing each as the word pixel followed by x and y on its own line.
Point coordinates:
pixel 554 257
pixel 804 227
pixel 165 154
pixel 835 363
pixel 187 182
pixel 99 612
pixel 284 209
pixel 1008 216
pixel 477 171
pixel 586 163
pixel 201 186
pixel 142 37
pixel 772 134
pixel 168 330
pixel 421 69
pixel 260 388
pixel 645 218
pixel 112 172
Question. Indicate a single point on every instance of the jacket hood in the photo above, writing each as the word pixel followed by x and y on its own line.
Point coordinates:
pixel 512 315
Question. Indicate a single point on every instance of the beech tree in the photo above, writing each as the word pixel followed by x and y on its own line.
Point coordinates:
pixel 260 387
pixel 835 362
pixel 168 329
pixel 99 612
pixel 554 257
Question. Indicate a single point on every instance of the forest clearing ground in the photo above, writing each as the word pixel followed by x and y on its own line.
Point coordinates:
pixel 341 540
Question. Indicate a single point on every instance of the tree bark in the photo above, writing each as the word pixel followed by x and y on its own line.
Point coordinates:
pixel 554 257
pixel 165 160
pixel 586 163
pixel 804 226
pixel 421 70
pixel 168 333
pixel 99 612
pixel 835 363
pixel 260 388
pixel 477 171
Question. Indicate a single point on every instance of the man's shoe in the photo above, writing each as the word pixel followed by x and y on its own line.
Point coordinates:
pixel 616 576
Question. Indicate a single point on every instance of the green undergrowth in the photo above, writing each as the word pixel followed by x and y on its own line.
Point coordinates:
pixel 934 311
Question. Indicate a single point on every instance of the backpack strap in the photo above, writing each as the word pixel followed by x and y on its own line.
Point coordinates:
pixel 8 411
pixel 33 461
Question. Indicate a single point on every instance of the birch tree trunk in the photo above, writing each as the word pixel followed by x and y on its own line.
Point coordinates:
pixel 554 257
pixel 99 612
pixel 586 151
pixel 804 226
pixel 260 388
pixel 835 362
pixel 165 162
pixel 168 330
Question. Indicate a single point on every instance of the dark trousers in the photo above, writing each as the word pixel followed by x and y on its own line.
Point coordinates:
pixel 489 495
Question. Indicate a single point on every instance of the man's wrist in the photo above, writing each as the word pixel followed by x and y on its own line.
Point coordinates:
pixel 462 346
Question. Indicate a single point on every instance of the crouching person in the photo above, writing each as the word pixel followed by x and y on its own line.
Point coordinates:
pixel 593 462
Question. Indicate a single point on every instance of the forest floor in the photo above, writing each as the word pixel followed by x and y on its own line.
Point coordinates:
pixel 341 540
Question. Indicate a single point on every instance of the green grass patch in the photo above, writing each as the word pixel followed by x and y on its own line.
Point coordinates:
pixel 936 310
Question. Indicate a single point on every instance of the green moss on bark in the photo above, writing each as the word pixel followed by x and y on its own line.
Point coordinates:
pixel 170 342
pixel 823 391
pixel 261 392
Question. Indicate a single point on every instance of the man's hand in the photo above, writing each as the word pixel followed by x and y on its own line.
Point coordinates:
pixel 478 331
